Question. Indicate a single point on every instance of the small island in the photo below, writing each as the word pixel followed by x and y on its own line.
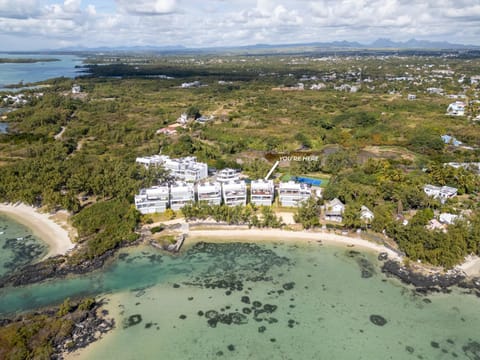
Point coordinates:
pixel 25 60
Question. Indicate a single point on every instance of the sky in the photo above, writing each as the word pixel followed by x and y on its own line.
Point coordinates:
pixel 52 24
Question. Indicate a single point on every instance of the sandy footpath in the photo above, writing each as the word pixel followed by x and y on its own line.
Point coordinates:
pixel 55 235
pixel 283 235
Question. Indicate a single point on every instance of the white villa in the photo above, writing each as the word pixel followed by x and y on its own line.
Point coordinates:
pixel 292 193
pixel 262 192
pixel 152 200
pixel 181 193
pixel 443 193
pixel 227 175
pixel 456 109
pixel 185 169
pixel 334 210
pixel 210 192
pixel 366 214
pixel 234 193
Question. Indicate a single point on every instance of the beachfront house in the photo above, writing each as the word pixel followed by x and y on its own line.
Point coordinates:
pixel 334 210
pixel 292 193
pixel 443 193
pixel 181 193
pixel 211 192
pixel 366 214
pixel 227 175
pixel 262 192
pixel 152 200
pixel 234 193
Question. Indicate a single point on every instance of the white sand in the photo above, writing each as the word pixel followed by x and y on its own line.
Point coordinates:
pixel 471 266
pixel 42 225
pixel 282 235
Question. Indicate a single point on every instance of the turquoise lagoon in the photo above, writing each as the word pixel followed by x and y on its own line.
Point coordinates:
pixel 18 245
pixel 241 300
pixel 14 73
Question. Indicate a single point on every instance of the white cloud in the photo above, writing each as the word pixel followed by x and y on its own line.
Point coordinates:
pixel 235 22
pixel 147 7
pixel 18 9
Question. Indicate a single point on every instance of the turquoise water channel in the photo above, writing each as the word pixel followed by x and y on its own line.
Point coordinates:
pixel 275 300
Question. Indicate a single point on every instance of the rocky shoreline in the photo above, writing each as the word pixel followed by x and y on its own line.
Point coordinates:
pixel 430 283
pixel 83 323
pixel 55 267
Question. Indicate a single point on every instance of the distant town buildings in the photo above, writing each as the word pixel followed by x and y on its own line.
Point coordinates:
pixel 456 109
pixel 76 89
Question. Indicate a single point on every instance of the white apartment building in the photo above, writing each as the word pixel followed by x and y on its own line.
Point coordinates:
pixel 154 160
pixel 226 175
pixel 262 192
pixel 181 193
pixel 210 192
pixel 292 193
pixel 186 169
pixel 234 193
pixel 152 200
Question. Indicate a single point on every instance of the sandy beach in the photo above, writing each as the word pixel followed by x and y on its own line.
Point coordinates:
pixel 283 235
pixel 55 235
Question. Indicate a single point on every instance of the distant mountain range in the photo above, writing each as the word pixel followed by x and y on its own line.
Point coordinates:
pixel 381 43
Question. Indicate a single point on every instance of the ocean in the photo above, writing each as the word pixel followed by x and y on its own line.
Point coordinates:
pixel 268 300
pixel 14 73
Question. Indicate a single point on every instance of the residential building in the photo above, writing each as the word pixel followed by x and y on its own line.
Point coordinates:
pixel 456 109
pixel 234 193
pixel 471 166
pixel 76 89
pixel 443 193
pixel 226 175
pixel 366 214
pixel 411 97
pixel 152 200
pixel 450 140
pixel 448 219
pixel 334 210
pixel 154 160
pixel 262 192
pixel 210 192
pixel 293 194
pixel 181 193
pixel 186 169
